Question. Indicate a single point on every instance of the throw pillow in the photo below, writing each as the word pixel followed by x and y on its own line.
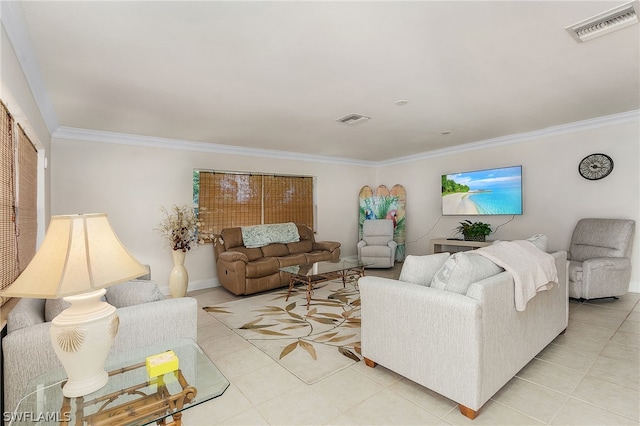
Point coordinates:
pixel 133 292
pixel 463 269
pixel 539 240
pixel 421 269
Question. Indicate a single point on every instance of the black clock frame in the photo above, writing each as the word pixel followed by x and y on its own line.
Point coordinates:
pixel 595 166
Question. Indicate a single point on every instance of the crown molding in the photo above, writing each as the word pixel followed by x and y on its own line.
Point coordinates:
pixel 15 27
pixel 577 126
pixel 99 136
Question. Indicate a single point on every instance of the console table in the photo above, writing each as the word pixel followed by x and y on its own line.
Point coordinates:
pixel 438 244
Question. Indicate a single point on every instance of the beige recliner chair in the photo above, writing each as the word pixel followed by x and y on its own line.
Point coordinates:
pixel 377 246
pixel 600 258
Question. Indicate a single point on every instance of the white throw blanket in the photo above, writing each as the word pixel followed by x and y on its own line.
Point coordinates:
pixel 533 270
pixel 262 235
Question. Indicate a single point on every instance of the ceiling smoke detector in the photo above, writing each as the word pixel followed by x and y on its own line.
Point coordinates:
pixel 352 119
pixel 604 23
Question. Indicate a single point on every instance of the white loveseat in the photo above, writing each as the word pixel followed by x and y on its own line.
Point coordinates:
pixel 146 317
pixel 462 346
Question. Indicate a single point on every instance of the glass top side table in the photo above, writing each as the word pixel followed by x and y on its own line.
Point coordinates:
pixel 130 397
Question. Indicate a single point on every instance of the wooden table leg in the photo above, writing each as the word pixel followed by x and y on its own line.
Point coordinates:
pixel 309 290
pixel 291 282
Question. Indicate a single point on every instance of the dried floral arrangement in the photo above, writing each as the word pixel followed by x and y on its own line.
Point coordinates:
pixel 179 227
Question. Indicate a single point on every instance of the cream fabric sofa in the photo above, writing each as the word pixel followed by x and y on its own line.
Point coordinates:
pixel 462 346
pixel 146 317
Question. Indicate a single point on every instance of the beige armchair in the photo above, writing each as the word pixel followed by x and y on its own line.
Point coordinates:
pixel 377 246
pixel 599 258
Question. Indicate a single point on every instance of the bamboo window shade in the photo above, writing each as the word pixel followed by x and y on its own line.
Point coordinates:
pixel 26 220
pixel 288 199
pixel 18 199
pixel 229 199
pixel 8 243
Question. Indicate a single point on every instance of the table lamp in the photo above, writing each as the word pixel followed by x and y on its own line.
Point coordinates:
pixel 79 257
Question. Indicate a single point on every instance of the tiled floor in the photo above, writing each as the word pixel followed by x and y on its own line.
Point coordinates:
pixel 588 376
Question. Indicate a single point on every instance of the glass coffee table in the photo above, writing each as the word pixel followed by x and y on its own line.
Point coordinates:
pixel 130 397
pixel 319 272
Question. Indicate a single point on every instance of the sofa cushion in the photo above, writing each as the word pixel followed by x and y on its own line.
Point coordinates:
pixel 376 251
pixel 421 269
pixel 292 259
pixel 133 292
pixel 541 241
pixel 232 237
pixel 275 250
pixel 262 267
pixel 318 256
pixel 251 253
pixel 26 313
pixel 304 246
pixel 461 269
pixel 305 232
pixel 53 307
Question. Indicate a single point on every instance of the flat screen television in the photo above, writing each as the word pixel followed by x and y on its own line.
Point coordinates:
pixel 483 192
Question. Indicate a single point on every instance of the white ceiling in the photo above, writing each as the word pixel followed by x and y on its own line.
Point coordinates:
pixel 277 75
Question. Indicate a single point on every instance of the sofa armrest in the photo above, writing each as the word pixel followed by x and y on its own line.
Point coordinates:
pixel 26 353
pixel 606 276
pixel 326 245
pixel 429 335
pixel 611 263
pixel 233 256
pixel 148 323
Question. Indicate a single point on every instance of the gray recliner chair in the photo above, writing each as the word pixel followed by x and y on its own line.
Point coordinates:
pixel 600 258
pixel 377 246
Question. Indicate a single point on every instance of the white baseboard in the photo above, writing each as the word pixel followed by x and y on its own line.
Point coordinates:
pixel 195 285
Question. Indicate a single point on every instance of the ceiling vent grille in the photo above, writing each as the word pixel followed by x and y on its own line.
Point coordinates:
pixel 353 119
pixel 604 23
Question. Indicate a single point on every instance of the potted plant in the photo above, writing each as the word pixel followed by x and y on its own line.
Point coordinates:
pixel 474 231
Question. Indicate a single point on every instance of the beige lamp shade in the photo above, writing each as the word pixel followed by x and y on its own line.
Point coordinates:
pixel 79 254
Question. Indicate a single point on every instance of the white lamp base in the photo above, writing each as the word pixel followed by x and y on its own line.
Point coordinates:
pixel 82 336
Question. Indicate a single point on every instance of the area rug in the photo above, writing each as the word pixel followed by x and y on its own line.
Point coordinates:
pixel 312 344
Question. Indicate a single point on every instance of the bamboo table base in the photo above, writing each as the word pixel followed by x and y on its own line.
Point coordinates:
pixel 148 406
pixel 309 280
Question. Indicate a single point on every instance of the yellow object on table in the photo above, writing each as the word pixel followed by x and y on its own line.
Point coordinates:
pixel 163 363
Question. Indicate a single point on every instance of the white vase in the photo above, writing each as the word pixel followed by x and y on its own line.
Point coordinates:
pixel 179 278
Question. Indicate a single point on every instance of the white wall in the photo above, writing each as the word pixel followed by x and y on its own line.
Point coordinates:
pixel 16 93
pixel 130 183
pixel 555 196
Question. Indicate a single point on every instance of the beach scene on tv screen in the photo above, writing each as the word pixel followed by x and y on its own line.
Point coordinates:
pixel 483 192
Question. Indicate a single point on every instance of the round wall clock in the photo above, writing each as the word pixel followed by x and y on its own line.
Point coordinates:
pixel 595 166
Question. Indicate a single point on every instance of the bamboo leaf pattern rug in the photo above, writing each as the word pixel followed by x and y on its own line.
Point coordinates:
pixel 312 344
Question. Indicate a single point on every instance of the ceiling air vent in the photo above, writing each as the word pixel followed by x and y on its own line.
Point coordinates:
pixel 352 119
pixel 604 23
